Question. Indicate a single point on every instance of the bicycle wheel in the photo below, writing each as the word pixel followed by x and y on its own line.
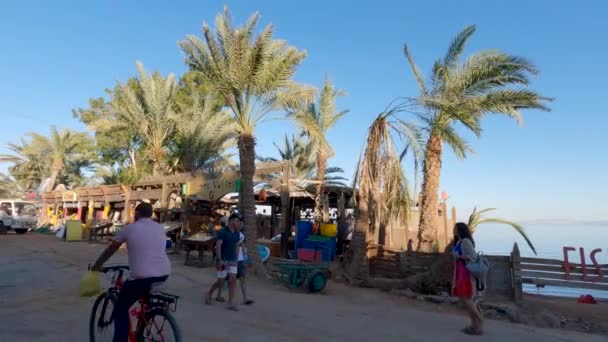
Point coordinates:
pixel 101 323
pixel 159 326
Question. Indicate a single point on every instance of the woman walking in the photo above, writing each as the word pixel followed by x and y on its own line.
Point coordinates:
pixel 464 252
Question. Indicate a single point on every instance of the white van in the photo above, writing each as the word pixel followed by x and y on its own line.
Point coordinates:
pixel 18 215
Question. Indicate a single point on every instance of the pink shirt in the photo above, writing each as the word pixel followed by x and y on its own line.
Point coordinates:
pixel 146 242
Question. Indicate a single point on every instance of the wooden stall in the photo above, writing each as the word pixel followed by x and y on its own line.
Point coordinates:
pixel 83 203
pixel 69 198
pixel 49 207
pixel 206 201
pixel 97 202
pixel 114 202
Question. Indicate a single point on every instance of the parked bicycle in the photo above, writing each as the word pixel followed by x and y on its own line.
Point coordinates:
pixel 151 314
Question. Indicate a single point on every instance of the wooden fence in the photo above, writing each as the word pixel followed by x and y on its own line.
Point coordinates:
pixel 389 263
pixel 552 272
pixel 507 273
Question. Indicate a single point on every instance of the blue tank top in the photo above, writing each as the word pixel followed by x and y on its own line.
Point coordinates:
pixel 457 248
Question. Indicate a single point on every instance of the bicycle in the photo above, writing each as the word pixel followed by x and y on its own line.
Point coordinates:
pixel 155 305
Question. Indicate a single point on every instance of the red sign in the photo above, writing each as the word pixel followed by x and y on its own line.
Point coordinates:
pixel 583 264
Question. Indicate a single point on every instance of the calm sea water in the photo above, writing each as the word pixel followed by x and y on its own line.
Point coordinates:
pixel 549 241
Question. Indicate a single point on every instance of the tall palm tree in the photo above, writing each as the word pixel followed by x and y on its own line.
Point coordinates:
pixel 477 218
pixel 488 82
pixel 316 120
pixel 28 168
pixel 61 148
pixel 149 108
pixel 382 193
pixel 253 75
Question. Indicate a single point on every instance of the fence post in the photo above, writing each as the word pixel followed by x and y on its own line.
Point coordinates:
pixel 408 257
pixel 515 268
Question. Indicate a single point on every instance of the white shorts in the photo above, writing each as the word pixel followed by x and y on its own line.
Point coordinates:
pixel 225 269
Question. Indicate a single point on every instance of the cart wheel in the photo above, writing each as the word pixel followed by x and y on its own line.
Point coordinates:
pixel 316 281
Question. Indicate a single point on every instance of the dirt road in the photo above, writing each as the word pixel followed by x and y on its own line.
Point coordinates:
pixel 39 277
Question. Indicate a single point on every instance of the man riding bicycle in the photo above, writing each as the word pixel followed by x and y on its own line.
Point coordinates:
pixel 148 264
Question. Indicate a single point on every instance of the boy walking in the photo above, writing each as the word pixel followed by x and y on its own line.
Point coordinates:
pixel 241 268
pixel 226 259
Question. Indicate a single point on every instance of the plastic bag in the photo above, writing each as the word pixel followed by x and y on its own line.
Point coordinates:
pixel 61 232
pixel 90 284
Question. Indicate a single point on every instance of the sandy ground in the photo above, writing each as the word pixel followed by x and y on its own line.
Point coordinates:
pixel 39 277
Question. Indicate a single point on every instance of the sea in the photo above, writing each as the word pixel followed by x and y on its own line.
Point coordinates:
pixel 549 240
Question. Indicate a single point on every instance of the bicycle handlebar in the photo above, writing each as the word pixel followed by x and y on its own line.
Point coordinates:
pixel 115 268
pixel 112 268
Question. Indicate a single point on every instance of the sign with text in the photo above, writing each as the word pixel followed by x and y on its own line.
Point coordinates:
pixel 213 190
pixel 585 269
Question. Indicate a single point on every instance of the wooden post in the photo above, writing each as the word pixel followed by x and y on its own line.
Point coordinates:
pixel 444 238
pixel 285 202
pixel 341 210
pixel 515 268
pixel 125 211
pixel 163 202
pixel 408 257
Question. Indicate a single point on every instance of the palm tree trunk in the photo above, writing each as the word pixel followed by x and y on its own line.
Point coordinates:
pixel 53 179
pixel 430 186
pixel 247 162
pixel 156 169
pixel 133 159
pixel 358 268
pixel 416 181
pixel 285 209
pixel 320 188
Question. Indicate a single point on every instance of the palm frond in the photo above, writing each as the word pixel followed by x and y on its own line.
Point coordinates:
pixel 418 76
pixel 476 219
pixel 457 47
pixel 518 228
pixel 459 146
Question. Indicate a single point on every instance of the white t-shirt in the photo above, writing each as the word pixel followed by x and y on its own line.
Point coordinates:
pixel 242 250
pixel 146 242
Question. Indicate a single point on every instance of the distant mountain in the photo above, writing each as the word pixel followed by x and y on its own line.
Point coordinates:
pixel 567 222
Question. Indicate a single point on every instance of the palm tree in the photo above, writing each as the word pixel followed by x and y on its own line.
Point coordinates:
pixel 28 168
pixel 477 218
pixel 488 82
pixel 8 187
pixel 315 120
pixel 202 133
pixel 301 153
pixel 107 174
pixel 253 75
pixel 149 108
pixel 61 149
pixel 382 193
pixel 115 144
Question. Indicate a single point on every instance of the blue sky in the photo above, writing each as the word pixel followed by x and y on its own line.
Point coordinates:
pixel 55 55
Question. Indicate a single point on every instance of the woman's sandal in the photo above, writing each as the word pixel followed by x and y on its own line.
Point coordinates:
pixel 220 299
pixel 248 302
